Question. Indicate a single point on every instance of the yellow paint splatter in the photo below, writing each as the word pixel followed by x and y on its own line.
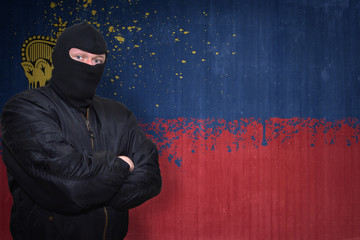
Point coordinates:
pixel 181 29
pixel 193 52
pixel 234 35
pixel 233 53
pixel 117 77
pixel 52 4
pixel 208 42
pixel 177 40
pixel 93 12
pixel 147 14
pixel 157 105
pixel 120 39
pixel 111 29
pixel 186 32
pixel 183 61
pixel 203 60
pixel 136 46
pixel 88 2
pixel 140 66
pixel 115 93
pixel 217 53
pixel 181 77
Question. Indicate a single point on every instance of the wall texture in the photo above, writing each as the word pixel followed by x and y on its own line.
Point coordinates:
pixel 254 106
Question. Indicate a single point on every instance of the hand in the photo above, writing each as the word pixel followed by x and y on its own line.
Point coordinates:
pixel 128 161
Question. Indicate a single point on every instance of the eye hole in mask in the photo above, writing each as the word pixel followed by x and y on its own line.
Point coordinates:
pixel 86 57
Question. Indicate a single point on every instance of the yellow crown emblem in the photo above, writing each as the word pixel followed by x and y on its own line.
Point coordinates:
pixel 36 57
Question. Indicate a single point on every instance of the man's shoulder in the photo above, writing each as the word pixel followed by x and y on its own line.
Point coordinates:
pixel 110 109
pixel 109 104
pixel 32 94
pixel 38 96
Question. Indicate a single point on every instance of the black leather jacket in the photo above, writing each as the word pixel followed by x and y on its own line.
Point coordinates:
pixel 64 174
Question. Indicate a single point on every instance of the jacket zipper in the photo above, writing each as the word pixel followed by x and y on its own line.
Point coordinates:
pixel 87 122
pixel 106 222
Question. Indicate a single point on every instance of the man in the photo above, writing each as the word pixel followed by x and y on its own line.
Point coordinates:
pixel 76 162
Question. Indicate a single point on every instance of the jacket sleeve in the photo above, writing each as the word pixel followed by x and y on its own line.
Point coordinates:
pixel 145 181
pixel 48 167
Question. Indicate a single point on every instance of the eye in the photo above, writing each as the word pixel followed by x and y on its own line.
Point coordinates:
pixel 98 61
pixel 78 57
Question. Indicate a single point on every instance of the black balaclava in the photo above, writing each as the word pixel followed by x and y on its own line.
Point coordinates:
pixel 75 81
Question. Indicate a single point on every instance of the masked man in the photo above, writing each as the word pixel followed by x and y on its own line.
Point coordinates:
pixel 76 162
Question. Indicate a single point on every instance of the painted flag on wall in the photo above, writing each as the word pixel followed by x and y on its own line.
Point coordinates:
pixel 254 106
